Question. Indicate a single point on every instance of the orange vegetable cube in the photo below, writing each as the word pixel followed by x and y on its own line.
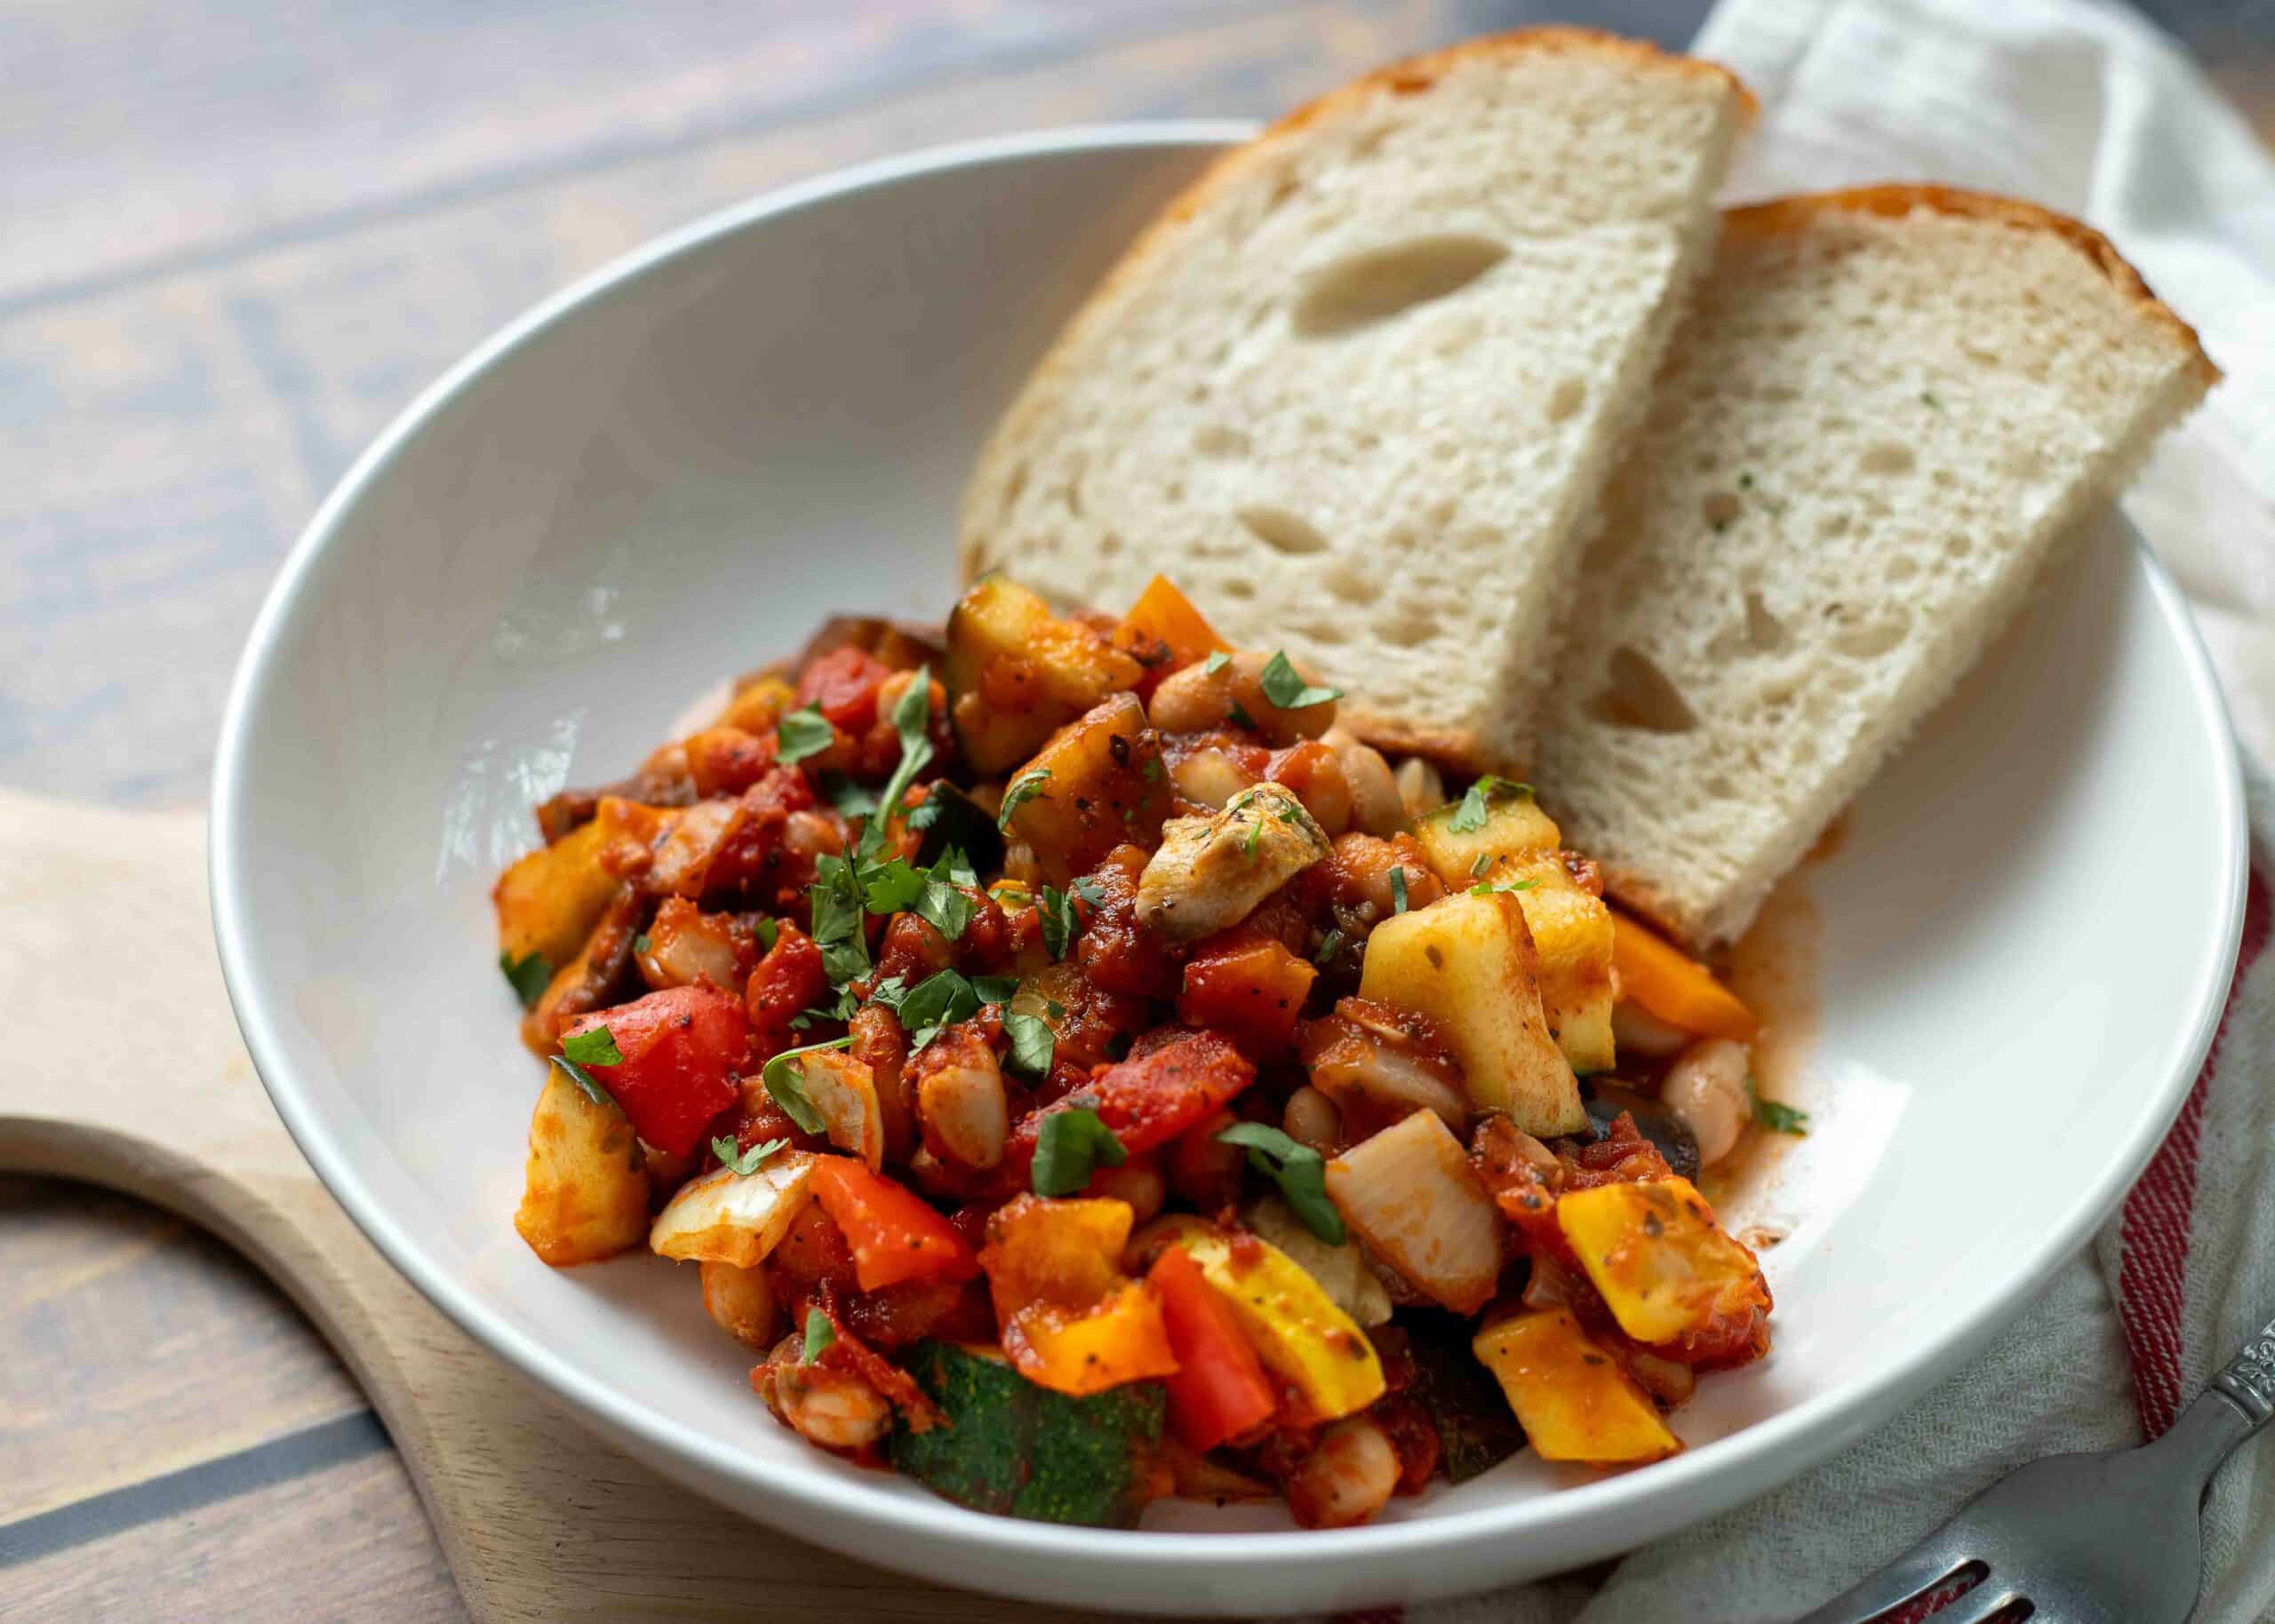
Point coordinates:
pixel 1573 1399
pixel 1664 1266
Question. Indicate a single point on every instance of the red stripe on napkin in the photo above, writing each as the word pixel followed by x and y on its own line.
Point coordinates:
pixel 2153 1271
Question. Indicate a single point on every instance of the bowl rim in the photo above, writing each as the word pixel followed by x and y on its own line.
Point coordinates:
pixel 1698 1483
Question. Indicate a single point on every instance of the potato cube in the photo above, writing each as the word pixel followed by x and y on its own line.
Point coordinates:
pixel 548 900
pixel 1468 963
pixel 1103 786
pixel 1016 673
pixel 585 1194
pixel 1514 826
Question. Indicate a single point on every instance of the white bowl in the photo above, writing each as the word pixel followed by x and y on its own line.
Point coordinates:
pixel 671 471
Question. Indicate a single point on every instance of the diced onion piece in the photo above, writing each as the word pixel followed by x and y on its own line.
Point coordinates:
pixel 844 1094
pixel 1573 1399
pixel 1343 1272
pixel 1410 1193
pixel 727 1217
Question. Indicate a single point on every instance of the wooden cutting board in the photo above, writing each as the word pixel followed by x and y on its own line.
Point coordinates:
pixel 140 1084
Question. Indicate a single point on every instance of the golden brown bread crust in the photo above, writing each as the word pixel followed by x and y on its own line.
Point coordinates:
pixel 1895 200
pixel 1647 903
pixel 1414 75
pixel 1455 748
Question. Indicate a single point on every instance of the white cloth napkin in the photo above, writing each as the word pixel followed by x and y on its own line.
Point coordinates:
pixel 2089 109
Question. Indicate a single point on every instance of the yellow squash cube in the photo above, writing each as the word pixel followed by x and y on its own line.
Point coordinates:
pixel 1292 1323
pixel 1572 1398
pixel 1655 1253
pixel 548 900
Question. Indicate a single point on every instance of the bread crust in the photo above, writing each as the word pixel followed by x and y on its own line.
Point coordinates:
pixel 1408 77
pixel 1894 200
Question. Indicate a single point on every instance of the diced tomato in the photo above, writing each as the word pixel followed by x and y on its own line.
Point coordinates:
pixel 1219 1390
pixel 790 978
pixel 680 1046
pixel 1251 988
pixel 895 1235
pixel 843 683
pixel 1154 1096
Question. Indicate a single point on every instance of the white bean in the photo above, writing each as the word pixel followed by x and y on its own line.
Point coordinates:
pixel 1420 786
pixel 1347 1477
pixel 1210 777
pixel 832 1408
pixel 1310 1118
pixel 1376 804
pixel 1705 1089
pixel 1636 1030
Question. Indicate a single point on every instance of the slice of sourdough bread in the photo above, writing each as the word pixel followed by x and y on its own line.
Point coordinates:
pixel 1358 389
pixel 1886 413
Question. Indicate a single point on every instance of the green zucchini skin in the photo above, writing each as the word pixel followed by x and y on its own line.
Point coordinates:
pixel 1020 1449
pixel 1476 1431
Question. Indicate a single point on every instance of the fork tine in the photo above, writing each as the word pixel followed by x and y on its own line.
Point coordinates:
pixel 1909 1577
pixel 1987 1600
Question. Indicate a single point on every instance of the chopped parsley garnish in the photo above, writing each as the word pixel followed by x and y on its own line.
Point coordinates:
pixel 801 734
pixel 1059 924
pixel 941 998
pixel 785 1083
pixel 1469 817
pixel 1397 890
pixel 820 1334
pixel 1216 661
pixel 1299 1171
pixel 595 1046
pixel 839 912
pixel 1745 481
pixel 945 908
pixel 892 887
pixel 743 1163
pixel 996 989
pixel 1484 861
pixel 767 932
pixel 1776 1117
pixel 1255 837
pixel 643 944
pixel 529 975
pixel 587 1083
pixel 1150 769
pixel 1285 687
pixel 1241 718
pixel 1329 945
pixel 1091 891
pixel 1069 1145
pixel 1486 888
pixel 1033 1042
pixel 927 812
pixel 1023 788
pixel 912 714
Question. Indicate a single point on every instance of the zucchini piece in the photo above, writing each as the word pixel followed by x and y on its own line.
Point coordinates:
pixel 1020 1449
pixel 1514 826
pixel 960 822
pixel 1476 1431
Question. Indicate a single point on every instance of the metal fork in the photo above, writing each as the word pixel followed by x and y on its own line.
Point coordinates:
pixel 2102 1539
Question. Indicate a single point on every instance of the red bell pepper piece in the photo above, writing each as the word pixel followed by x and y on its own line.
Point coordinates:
pixel 680 1046
pixel 894 1234
pixel 1251 988
pixel 1150 1098
pixel 1219 1390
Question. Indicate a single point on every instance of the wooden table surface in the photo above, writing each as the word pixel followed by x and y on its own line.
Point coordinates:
pixel 237 240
